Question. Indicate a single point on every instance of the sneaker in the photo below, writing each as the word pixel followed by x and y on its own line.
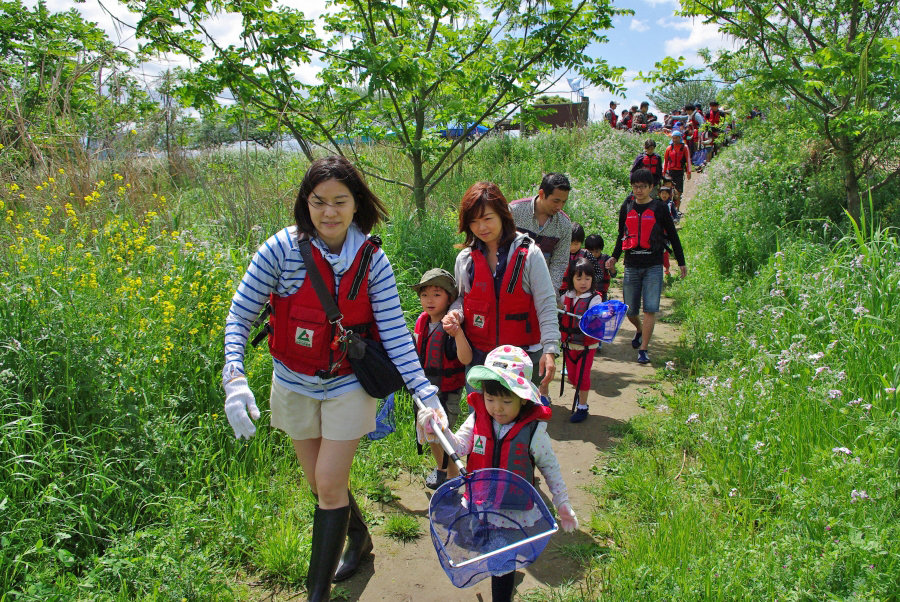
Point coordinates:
pixel 643 358
pixel 636 341
pixel 545 400
pixel 436 478
pixel 579 415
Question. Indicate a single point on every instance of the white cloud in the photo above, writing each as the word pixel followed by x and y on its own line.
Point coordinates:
pixel 638 25
pixel 702 35
pixel 656 3
pixel 671 23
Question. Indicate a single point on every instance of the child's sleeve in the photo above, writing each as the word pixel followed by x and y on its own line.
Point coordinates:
pixel 545 460
pixel 463 438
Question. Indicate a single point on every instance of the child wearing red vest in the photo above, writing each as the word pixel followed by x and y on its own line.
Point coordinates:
pixel 594 246
pixel 508 430
pixel 443 352
pixel 578 348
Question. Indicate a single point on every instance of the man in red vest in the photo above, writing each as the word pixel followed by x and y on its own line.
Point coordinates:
pixel 677 162
pixel 611 117
pixel 645 225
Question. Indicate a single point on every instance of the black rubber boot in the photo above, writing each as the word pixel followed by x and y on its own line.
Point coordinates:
pixel 502 587
pixel 359 543
pixel 329 533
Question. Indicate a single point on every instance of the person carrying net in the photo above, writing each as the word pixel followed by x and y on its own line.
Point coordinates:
pixel 507 430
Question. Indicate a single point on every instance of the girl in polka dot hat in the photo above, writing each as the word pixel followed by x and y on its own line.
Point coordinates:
pixel 508 430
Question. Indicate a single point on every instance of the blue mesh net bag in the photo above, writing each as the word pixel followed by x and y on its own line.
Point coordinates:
pixel 488 522
pixel 385 424
pixel 602 321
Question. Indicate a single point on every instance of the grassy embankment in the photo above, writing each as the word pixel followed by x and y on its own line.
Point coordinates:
pixel 772 472
pixel 119 475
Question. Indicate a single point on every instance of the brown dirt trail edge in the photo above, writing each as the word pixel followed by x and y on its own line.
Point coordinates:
pixel 411 572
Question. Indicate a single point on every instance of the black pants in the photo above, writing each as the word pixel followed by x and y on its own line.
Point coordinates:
pixel 677 176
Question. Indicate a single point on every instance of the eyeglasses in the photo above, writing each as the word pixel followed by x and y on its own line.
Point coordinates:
pixel 639 186
pixel 319 204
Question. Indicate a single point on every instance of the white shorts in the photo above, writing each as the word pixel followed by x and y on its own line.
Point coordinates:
pixel 342 418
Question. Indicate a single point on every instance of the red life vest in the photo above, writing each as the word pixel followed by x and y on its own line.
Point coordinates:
pixel 713 118
pixel 486 325
pixel 512 452
pixel 676 157
pixel 446 374
pixel 611 117
pixel 573 257
pixel 301 335
pixel 651 162
pixel 568 325
pixel 642 232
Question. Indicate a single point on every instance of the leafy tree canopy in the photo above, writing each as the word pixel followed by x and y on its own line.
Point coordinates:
pixel 392 69
pixel 836 62
pixel 552 100
pixel 677 94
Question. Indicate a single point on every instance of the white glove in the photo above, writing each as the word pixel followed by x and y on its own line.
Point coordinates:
pixel 238 401
pixel 567 519
pixel 424 418
pixel 428 395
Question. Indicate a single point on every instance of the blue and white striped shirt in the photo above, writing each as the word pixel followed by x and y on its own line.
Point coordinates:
pixel 277 267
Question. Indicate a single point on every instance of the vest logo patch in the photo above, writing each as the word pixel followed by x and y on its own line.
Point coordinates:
pixel 478 447
pixel 304 337
pixel 478 321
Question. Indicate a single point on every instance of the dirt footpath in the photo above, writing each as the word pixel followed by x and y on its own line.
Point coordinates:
pixel 411 572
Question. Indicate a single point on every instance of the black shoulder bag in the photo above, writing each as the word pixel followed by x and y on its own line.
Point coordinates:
pixel 370 362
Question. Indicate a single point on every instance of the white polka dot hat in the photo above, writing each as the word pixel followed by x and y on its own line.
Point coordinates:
pixel 512 367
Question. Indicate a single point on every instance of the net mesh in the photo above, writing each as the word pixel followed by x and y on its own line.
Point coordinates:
pixel 385 424
pixel 489 522
pixel 602 321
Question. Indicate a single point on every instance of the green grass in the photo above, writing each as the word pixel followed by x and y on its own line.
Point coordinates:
pixel 774 475
pixel 120 478
pixel 402 527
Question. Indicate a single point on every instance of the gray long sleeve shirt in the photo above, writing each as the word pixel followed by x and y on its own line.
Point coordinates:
pixel 554 238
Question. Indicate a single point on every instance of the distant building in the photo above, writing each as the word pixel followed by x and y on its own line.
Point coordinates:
pixel 570 114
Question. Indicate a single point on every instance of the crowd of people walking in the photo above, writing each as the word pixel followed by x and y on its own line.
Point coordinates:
pixel 491 332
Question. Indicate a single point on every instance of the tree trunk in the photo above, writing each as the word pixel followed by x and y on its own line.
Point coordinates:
pixel 301 141
pixel 418 182
pixel 851 184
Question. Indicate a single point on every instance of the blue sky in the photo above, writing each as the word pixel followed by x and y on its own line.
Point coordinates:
pixel 636 42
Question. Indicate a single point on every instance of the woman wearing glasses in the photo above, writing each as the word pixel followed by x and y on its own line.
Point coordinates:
pixel 315 397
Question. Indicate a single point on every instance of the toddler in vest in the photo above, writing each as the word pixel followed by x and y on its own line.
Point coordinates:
pixel 443 352
pixel 578 349
pixel 508 430
pixel 577 251
pixel 665 195
pixel 594 246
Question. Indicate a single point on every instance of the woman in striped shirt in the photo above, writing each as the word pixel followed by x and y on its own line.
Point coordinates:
pixel 315 397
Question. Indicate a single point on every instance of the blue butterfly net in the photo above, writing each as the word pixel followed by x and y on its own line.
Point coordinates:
pixel 489 522
pixel 602 321
pixel 385 424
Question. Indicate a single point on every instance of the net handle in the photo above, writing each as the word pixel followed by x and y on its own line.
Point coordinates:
pixel 442 438
pixel 506 548
pixel 568 313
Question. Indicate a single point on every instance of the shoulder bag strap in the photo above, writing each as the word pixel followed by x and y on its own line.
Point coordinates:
pixel 312 272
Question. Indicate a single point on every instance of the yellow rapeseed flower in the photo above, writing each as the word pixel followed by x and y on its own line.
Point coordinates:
pixel 62 171
pixel 13 187
pixel 117 177
pixel 51 180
